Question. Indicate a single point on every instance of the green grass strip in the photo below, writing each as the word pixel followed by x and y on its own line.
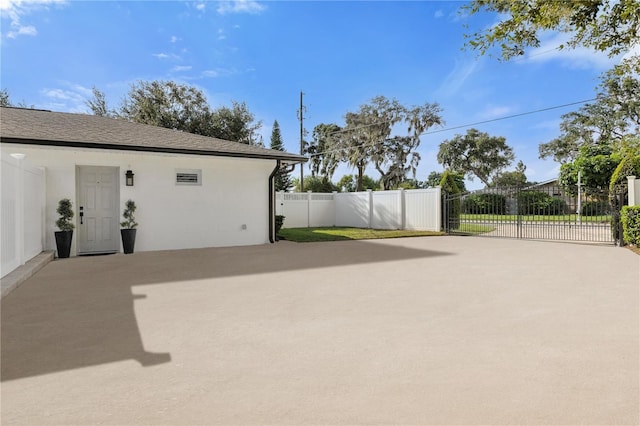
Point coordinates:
pixel 306 235
pixel 569 218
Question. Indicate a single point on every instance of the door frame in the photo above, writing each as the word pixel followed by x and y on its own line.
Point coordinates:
pixel 116 209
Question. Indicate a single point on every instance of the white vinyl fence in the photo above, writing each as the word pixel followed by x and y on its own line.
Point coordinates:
pixel 22 214
pixel 416 209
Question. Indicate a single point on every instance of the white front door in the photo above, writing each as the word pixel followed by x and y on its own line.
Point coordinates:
pixel 98 209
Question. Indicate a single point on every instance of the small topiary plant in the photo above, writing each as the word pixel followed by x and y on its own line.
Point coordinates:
pixel 129 219
pixel 66 214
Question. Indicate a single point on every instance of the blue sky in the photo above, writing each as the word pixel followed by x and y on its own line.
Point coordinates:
pixel 340 54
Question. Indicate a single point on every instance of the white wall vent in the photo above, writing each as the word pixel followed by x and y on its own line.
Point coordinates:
pixel 188 177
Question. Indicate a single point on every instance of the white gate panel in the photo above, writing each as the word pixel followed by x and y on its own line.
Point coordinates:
pixel 21 214
pixel 322 210
pixel 295 210
pixel 352 209
pixel 387 210
pixel 422 209
pixel 10 182
pixel 34 211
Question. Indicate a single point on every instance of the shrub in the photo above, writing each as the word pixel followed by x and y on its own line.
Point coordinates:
pixel 630 217
pixel 533 202
pixel 485 204
pixel 279 222
pixel 595 208
pixel 66 214
pixel 452 208
pixel 557 206
pixel 630 165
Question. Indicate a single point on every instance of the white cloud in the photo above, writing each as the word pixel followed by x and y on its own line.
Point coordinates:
pixel 240 6
pixel 181 68
pixel 201 6
pixel 174 39
pixel 70 97
pixel 221 35
pixel 439 13
pixel 219 72
pixel 15 10
pixel 578 58
pixel 26 30
pixel 163 55
pixel 461 71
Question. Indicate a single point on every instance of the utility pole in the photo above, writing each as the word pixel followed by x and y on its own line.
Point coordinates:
pixel 301 116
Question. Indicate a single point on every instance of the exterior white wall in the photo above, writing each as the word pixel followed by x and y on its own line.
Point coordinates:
pixel 233 195
pixel 22 214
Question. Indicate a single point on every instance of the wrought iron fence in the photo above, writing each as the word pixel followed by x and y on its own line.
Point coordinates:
pixel 546 212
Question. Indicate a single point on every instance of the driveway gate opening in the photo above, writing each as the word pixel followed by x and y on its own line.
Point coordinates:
pixel 540 212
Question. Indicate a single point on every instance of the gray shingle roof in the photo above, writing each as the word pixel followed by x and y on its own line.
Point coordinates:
pixel 38 127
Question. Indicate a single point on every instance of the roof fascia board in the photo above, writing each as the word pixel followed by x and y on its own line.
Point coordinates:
pixel 70 144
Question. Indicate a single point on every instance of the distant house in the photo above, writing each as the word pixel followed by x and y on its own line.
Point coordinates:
pixel 191 191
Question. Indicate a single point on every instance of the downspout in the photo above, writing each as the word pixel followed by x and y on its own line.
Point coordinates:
pixel 272 199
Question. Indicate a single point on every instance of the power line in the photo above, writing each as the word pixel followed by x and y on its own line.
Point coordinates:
pixel 506 117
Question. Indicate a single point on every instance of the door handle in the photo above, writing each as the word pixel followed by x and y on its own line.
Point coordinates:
pixel 81 214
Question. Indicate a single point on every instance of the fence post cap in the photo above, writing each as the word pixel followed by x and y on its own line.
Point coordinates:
pixel 631 177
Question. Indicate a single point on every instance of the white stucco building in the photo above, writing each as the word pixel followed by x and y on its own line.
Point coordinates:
pixel 191 191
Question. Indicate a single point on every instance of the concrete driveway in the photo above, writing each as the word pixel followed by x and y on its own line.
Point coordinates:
pixel 436 330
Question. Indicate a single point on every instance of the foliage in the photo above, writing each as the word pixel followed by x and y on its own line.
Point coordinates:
pixel 181 107
pixel 279 221
pixel 628 166
pixel 98 104
pixel 315 184
pixel 304 235
pixel 451 211
pixel 607 26
pixel 128 215
pixel 531 202
pixel 516 178
pixel 5 98
pixel 324 150
pixel 476 154
pixel 434 179
pixel 347 183
pixel 595 208
pixel 168 104
pixel 282 180
pixel 236 124
pixel 65 211
pixel 618 193
pixel 486 203
pixel 607 121
pixel 367 138
pixel 596 163
pixel 630 217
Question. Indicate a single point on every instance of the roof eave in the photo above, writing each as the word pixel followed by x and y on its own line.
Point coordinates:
pixel 290 158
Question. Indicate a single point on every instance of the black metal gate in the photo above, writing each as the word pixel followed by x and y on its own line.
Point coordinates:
pixel 539 212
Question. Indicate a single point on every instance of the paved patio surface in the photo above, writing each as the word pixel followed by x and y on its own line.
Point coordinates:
pixel 435 330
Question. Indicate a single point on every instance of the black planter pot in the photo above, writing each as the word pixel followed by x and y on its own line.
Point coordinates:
pixel 128 240
pixel 63 243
